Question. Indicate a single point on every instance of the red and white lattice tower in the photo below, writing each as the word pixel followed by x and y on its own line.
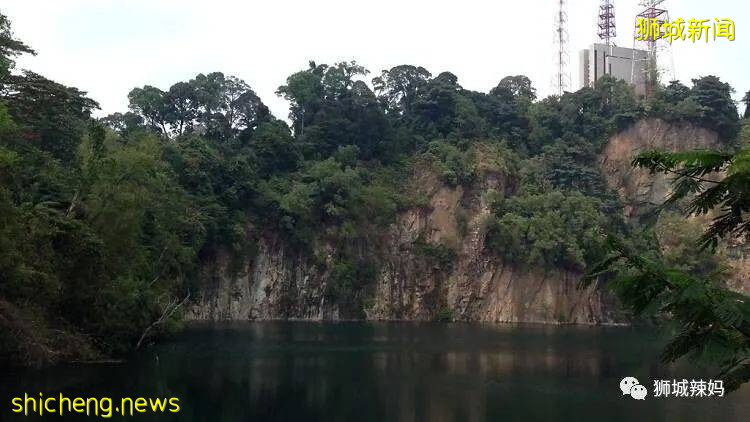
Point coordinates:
pixel 607 30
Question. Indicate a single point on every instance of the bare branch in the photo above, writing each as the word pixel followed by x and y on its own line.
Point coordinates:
pixel 169 310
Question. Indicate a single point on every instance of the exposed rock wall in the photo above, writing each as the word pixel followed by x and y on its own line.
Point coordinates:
pixel 641 192
pixel 281 283
pixel 478 287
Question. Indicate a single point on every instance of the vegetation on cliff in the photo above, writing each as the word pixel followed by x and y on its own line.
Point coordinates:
pixel 104 222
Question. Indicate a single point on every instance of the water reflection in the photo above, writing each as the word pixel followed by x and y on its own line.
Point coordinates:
pixel 391 372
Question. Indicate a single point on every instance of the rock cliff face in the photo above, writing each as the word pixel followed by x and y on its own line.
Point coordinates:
pixel 278 282
pixel 640 192
pixel 477 287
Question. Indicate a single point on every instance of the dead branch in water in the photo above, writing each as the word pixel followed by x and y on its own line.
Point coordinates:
pixel 169 310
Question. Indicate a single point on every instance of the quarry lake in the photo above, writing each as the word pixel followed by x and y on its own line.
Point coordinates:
pixel 301 371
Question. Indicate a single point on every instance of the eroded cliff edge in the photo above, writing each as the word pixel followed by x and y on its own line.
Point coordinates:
pixel 280 282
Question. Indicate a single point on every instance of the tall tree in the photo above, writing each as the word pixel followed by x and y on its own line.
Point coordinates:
pixel 399 87
pixel 183 107
pixel 436 110
pixel 304 90
pixel 675 92
pixel 518 87
pixel 9 48
pixel 150 102
pixel 50 115
pixel 718 109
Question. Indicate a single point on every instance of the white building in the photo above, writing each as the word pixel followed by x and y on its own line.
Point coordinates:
pixel 622 63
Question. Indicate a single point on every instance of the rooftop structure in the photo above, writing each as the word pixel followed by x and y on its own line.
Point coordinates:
pixel 622 63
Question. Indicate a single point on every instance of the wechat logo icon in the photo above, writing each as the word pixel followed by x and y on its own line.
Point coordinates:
pixel 631 387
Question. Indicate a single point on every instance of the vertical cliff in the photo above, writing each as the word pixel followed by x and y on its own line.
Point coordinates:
pixel 281 282
pixel 640 191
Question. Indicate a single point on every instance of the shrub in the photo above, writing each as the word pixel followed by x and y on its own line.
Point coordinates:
pixel 445 314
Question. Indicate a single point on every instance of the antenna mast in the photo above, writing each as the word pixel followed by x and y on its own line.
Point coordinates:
pixel 607 29
pixel 650 12
pixel 562 78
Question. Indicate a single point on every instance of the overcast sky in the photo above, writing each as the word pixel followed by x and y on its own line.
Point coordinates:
pixel 108 47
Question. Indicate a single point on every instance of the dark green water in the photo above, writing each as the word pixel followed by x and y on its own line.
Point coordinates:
pixel 295 371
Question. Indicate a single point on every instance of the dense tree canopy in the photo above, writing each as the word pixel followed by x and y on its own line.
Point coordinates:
pixel 212 105
pixel 708 103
